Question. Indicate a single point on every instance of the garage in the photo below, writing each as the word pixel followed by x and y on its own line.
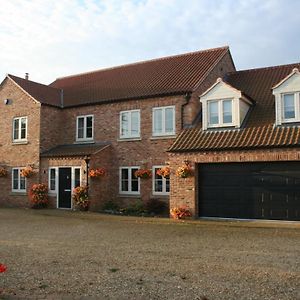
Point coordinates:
pixel 250 190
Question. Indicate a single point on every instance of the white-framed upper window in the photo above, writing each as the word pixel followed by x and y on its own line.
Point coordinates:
pixel 20 129
pixel 291 107
pixel 160 184
pixel 130 124
pixel 129 184
pixel 219 113
pixel 18 182
pixel 53 180
pixel 163 121
pixel 85 128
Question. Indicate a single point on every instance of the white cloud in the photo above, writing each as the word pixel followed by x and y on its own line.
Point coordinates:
pixel 56 38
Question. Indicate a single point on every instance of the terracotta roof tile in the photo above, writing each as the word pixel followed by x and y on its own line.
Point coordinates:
pixel 259 129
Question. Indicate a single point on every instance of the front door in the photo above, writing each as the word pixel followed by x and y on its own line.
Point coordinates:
pixel 65 188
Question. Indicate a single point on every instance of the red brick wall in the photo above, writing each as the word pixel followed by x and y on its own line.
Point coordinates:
pixel 21 155
pixel 184 190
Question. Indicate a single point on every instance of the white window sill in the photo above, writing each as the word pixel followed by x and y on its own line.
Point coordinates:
pixel 290 121
pixel 157 195
pixel 20 142
pixel 133 139
pixel 162 137
pixel 52 193
pixel 18 193
pixel 84 142
pixel 130 195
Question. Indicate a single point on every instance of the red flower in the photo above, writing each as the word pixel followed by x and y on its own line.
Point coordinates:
pixel 2 268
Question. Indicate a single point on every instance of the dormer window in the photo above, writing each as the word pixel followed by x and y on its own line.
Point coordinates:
pixel 220 112
pixel 287 99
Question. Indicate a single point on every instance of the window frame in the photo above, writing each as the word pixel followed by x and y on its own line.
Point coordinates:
pixel 163 121
pixel 84 139
pixel 296 107
pixel 129 192
pixel 164 182
pixel 130 135
pixel 18 190
pixel 220 113
pixel 56 180
pixel 19 139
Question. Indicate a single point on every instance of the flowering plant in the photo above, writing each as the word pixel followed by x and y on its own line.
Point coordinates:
pixel 180 212
pixel 3 172
pixel 96 173
pixel 164 172
pixel 80 197
pixel 27 172
pixel 184 171
pixel 142 173
pixel 3 268
pixel 38 195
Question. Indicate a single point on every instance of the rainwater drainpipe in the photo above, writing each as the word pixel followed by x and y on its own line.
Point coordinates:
pixel 187 98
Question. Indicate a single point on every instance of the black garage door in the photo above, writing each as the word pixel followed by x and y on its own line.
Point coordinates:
pixel 250 190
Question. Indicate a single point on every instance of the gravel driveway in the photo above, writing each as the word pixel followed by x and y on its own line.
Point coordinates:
pixel 55 254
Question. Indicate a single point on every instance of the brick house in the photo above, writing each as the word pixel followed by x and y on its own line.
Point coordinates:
pixel 122 119
pixel 245 151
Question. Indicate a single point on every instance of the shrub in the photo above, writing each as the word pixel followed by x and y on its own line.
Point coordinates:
pixel 135 209
pixel 180 212
pixel 38 195
pixel 156 206
pixel 80 197
pixel 110 205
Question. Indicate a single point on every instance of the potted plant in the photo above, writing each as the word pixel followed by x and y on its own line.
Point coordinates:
pixel 3 172
pixel 180 212
pixel 27 172
pixel 164 172
pixel 38 195
pixel 184 171
pixel 97 173
pixel 81 198
pixel 142 173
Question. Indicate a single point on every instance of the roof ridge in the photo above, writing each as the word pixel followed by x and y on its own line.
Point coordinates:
pixel 262 68
pixel 27 80
pixel 143 62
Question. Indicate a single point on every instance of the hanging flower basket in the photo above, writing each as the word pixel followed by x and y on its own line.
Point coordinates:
pixel 38 195
pixel 180 213
pixel 3 172
pixel 80 197
pixel 184 171
pixel 27 172
pixel 142 173
pixel 164 172
pixel 97 173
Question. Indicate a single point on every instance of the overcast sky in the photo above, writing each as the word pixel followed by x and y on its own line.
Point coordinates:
pixel 50 39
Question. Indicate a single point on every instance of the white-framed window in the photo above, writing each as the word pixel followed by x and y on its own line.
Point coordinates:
pixel 18 182
pixel 53 180
pixel 76 174
pixel 129 184
pixel 163 121
pixel 85 128
pixel 160 184
pixel 219 113
pixel 20 129
pixel 130 124
pixel 291 107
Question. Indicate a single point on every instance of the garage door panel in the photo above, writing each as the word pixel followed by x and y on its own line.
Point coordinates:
pixel 250 190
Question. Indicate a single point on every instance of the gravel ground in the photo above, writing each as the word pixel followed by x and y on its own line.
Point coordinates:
pixel 55 254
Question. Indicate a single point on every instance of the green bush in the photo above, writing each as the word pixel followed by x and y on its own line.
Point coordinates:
pixel 156 206
pixel 110 205
pixel 134 209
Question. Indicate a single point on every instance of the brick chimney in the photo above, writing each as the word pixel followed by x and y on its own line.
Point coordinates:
pixel 26 76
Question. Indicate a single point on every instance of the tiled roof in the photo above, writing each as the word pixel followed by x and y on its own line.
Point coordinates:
pixel 259 129
pixel 75 150
pixel 169 75
pixel 40 92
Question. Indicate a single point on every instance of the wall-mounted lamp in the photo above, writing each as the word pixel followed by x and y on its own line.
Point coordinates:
pixel 6 101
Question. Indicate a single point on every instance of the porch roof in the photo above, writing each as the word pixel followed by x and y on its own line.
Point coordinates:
pixel 68 150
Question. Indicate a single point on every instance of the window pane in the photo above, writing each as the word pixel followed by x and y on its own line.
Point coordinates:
pixel 135 126
pixel 89 127
pixel 289 106
pixel 213 113
pixel 15 179
pixel 23 128
pixel 124 180
pixel 168 185
pixel 134 181
pixel 22 183
pixel 124 124
pixel 77 178
pixel 157 120
pixel 16 129
pixel 227 111
pixel 169 117
pixel 80 128
pixel 52 180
